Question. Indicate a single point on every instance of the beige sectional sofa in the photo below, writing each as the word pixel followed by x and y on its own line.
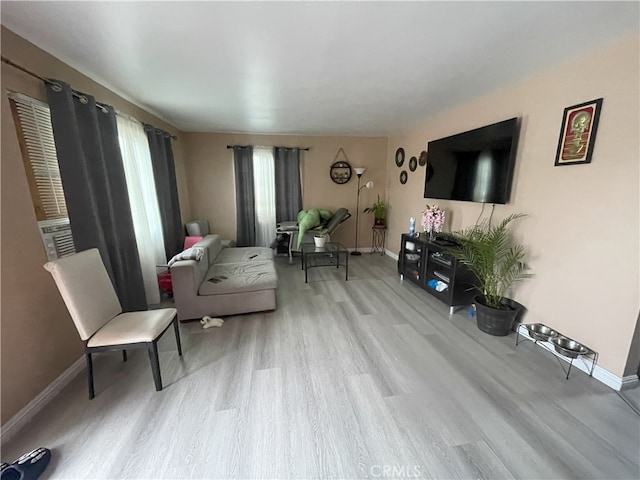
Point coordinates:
pixel 225 281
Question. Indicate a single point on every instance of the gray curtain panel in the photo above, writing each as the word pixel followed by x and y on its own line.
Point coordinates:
pixel 164 174
pixel 288 188
pixel 95 188
pixel 245 198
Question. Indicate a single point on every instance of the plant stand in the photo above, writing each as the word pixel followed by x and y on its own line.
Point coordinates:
pixel 378 239
pixel 589 359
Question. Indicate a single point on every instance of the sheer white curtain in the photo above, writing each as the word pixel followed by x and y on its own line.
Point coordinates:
pixel 136 158
pixel 265 196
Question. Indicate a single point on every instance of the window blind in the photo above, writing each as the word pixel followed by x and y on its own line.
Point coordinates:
pixel 40 149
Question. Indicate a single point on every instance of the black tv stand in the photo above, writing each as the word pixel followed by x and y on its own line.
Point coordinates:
pixel 426 263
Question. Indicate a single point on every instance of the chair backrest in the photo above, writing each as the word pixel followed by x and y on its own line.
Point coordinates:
pixel 197 228
pixel 86 289
pixel 340 216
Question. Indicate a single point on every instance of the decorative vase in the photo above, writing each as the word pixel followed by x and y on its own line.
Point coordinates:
pixel 432 235
pixel 319 241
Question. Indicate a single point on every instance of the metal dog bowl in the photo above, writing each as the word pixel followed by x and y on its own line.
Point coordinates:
pixel 568 347
pixel 540 331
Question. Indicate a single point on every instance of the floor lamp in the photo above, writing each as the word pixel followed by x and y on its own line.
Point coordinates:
pixel 369 185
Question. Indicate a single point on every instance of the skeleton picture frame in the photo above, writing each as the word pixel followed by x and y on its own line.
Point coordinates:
pixel 578 133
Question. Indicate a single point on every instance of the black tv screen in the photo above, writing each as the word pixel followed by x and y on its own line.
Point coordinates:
pixel 474 166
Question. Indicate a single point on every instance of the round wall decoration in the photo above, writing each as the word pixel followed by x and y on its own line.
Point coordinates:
pixel 340 172
pixel 399 156
pixel 403 177
pixel 413 164
pixel 422 160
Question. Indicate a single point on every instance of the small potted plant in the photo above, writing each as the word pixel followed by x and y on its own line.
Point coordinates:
pixel 498 262
pixel 320 237
pixel 379 211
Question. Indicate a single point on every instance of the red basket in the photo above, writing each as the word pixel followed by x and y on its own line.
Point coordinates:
pixel 164 282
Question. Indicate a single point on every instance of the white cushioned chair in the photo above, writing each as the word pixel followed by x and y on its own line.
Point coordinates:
pixel 89 295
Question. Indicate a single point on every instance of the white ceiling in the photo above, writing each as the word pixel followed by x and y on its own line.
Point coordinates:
pixel 346 68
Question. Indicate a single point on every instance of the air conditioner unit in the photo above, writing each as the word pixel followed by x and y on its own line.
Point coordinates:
pixel 57 238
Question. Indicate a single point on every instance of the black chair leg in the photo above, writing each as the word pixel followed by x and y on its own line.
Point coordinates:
pixel 176 328
pixel 155 365
pixel 89 374
pixel 124 355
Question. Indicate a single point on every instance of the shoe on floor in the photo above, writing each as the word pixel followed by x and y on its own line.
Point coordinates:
pixel 9 472
pixel 28 467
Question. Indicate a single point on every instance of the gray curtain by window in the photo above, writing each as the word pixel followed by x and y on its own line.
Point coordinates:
pixel 245 199
pixel 95 187
pixel 164 174
pixel 288 189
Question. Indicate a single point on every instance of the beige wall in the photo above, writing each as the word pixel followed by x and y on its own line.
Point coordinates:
pixel 583 224
pixel 38 340
pixel 211 177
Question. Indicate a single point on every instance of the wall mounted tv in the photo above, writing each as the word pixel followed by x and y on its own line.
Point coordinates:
pixel 474 166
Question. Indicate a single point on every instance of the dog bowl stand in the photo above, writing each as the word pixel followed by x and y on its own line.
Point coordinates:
pixel 590 356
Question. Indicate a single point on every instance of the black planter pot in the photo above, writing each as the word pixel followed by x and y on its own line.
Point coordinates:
pixel 495 321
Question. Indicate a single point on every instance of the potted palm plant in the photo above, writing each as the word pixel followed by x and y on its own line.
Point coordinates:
pixel 379 211
pixel 498 262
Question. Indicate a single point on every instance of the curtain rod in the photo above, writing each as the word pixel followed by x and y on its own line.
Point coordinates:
pixel 28 72
pixel 306 149
pixel 50 82
pixel 45 80
pixel 144 125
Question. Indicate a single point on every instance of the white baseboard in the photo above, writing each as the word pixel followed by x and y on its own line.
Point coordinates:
pixel 584 364
pixel 391 254
pixel 20 419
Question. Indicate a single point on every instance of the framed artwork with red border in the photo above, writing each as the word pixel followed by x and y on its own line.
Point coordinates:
pixel 578 133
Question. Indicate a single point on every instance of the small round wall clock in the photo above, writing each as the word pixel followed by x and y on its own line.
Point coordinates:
pixel 399 156
pixel 422 160
pixel 403 177
pixel 413 164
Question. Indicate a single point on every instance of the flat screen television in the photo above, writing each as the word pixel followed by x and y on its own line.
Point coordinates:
pixel 474 166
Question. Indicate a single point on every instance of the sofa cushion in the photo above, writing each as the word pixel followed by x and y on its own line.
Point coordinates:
pixel 213 244
pixel 244 254
pixel 226 278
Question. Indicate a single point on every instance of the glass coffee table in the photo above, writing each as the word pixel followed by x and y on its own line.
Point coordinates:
pixel 327 256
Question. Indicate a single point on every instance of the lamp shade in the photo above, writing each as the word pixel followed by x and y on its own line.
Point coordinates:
pixel 369 185
pixel 359 170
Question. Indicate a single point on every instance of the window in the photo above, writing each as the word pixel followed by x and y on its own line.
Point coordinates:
pixel 35 134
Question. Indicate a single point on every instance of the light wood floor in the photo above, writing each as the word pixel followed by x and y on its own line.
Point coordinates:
pixel 369 378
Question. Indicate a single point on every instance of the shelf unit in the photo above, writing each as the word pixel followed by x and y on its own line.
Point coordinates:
pixel 425 263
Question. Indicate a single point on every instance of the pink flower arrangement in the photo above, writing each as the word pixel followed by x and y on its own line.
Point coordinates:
pixel 432 219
